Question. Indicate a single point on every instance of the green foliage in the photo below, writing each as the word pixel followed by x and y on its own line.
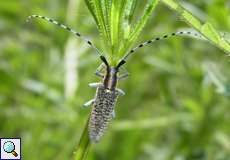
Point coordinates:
pixel 119 33
pixel 117 24
pixel 206 29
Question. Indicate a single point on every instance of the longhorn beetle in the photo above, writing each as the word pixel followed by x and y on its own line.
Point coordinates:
pixel 106 91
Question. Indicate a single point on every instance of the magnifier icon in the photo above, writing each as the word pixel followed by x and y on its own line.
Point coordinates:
pixel 9 147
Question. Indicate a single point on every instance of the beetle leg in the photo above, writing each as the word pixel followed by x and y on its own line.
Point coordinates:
pixel 95 85
pixel 88 103
pixel 113 114
pixel 99 70
pixel 124 75
pixel 120 92
pixel 99 74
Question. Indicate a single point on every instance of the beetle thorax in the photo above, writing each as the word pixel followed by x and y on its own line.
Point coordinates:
pixel 110 79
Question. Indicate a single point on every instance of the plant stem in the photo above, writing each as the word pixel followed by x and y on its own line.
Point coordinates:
pixel 84 144
pixel 206 29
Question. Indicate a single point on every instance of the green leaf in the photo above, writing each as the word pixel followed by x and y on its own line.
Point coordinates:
pixel 139 26
pixel 97 9
pixel 90 6
pixel 206 29
pixel 114 19
pixel 210 32
pixel 115 15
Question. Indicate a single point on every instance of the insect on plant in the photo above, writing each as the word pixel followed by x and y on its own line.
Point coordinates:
pixel 106 91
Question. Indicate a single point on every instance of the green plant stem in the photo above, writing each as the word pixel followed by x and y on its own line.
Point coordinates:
pixel 84 145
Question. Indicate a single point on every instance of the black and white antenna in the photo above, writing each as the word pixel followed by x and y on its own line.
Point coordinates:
pixel 179 33
pixel 68 29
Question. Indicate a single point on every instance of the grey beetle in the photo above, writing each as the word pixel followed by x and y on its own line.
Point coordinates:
pixel 105 99
pixel 106 92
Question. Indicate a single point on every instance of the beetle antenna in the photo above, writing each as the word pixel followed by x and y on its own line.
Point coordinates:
pixel 179 33
pixel 68 29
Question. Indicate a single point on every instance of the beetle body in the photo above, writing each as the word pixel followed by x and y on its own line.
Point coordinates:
pixel 102 112
pixel 104 102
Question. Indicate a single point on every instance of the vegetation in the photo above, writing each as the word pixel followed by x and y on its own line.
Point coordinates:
pixel 177 97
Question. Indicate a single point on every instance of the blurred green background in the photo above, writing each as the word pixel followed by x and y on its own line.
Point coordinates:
pixel 176 105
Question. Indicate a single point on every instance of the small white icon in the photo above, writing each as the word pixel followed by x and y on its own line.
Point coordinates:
pixel 10 149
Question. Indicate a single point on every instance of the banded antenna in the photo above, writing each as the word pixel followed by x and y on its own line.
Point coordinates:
pixel 68 29
pixel 179 33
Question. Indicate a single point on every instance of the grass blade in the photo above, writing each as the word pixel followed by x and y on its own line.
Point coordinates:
pixel 90 5
pixel 126 15
pixel 97 10
pixel 115 24
pixel 140 25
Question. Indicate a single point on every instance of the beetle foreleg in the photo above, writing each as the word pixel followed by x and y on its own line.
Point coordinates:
pixel 88 103
pixel 124 74
pixel 99 74
pixel 99 70
pixel 95 85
